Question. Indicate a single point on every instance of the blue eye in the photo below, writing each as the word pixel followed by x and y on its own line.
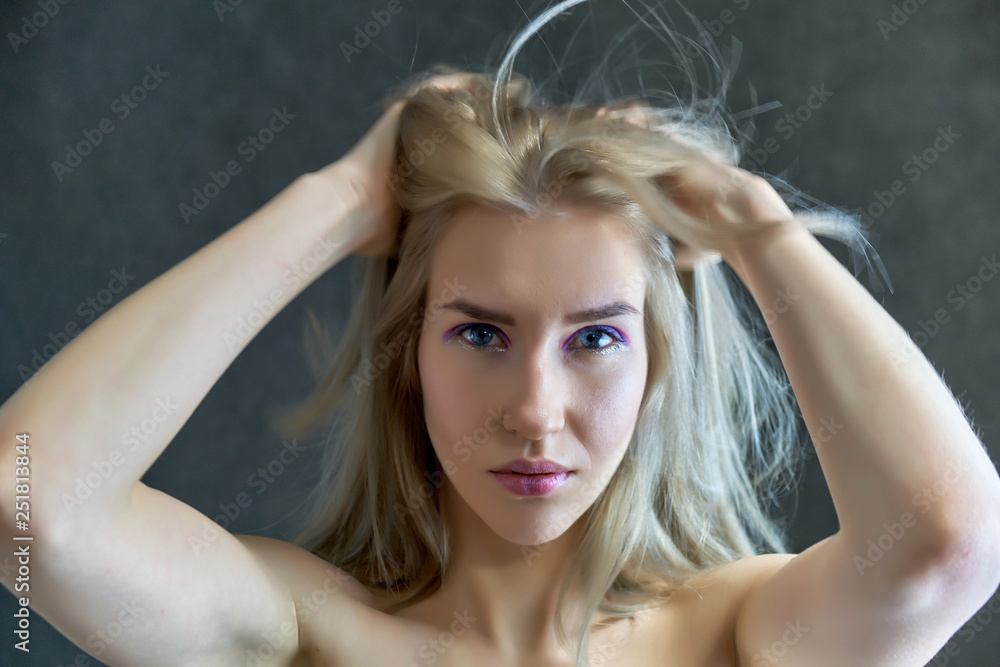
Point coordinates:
pixel 595 334
pixel 483 334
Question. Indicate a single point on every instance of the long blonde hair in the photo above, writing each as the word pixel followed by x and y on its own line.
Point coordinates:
pixel 717 432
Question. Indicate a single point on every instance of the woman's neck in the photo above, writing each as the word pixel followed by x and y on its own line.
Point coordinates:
pixel 511 590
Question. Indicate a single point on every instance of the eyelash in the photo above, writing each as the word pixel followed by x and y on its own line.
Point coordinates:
pixel 618 344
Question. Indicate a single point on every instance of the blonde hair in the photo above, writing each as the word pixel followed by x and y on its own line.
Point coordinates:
pixel 716 436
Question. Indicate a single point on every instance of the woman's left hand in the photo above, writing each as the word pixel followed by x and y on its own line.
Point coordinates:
pixel 712 191
pixel 719 193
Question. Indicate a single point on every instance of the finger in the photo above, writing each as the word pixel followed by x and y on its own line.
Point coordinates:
pixel 633 112
pixel 448 81
pixel 685 257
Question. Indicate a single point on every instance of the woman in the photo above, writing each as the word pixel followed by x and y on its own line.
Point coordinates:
pixel 558 429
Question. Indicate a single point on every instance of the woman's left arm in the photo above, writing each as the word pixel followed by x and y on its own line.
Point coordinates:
pixel 890 437
pixel 916 495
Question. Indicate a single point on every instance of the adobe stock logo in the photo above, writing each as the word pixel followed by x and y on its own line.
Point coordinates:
pixel 223 7
pixel 789 124
pixel 122 106
pixel 899 17
pixel 915 167
pixel 363 38
pixel 30 28
pixel 116 289
pixel 249 148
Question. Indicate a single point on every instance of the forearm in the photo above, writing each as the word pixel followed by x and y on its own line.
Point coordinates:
pixel 893 444
pixel 116 395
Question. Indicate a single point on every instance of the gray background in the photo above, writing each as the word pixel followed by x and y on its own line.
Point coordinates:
pixel 60 241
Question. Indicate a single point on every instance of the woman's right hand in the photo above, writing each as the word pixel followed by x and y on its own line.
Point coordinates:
pixel 369 166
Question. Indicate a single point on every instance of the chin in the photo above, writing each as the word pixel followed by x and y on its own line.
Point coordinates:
pixel 524 521
pixel 529 524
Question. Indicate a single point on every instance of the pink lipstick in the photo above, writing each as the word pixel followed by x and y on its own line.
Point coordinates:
pixel 531 478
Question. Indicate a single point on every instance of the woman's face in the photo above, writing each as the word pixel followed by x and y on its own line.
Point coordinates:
pixel 513 366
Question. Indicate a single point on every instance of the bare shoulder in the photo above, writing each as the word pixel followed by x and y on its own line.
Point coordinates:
pixel 739 576
pixel 720 591
pixel 340 621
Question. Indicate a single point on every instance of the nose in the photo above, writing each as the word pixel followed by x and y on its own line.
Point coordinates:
pixel 536 404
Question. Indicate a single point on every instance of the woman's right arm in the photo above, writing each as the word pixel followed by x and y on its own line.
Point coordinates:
pixel 110 552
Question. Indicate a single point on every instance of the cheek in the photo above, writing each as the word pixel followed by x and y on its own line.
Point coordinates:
pixel 610 414
pixel 452 400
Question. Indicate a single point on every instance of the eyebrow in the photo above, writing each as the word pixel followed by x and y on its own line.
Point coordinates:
pixel 590 315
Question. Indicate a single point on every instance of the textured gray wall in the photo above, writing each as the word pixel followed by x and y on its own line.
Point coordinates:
pixel 69 239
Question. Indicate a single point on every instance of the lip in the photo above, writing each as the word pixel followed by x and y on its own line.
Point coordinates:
pixel 527 467
pixel 524 477
pixel 531 485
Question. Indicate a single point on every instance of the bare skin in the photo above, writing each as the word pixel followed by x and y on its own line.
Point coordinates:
pixel 496 606
pixel 127 543
pixel 208 597
pixel 695 628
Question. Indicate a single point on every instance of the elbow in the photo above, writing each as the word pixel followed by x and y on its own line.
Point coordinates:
pixel 973 538
pixel 981 544
pixel 960 552
pixel 963 568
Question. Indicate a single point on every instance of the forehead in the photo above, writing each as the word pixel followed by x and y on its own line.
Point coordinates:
pixel 574 257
